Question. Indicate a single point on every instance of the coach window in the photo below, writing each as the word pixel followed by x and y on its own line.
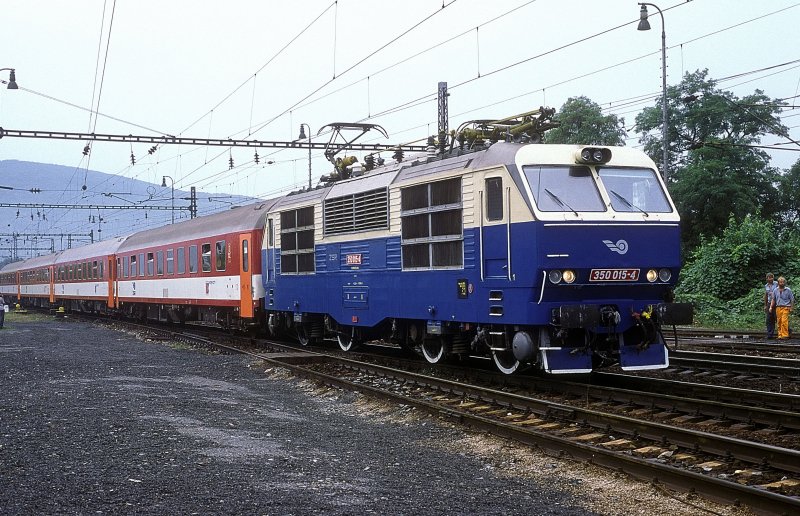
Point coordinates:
pixel 220 255
pixel 494 198
pixel 125 265
pixel 206 256
pixel 95 270
pixel 141 264
pixel 100 269
pixel 133 266
pixel 160 263
pixel 170 261
pixel 245 266
pixel 192 258
pixel 181 260
pixel 150 267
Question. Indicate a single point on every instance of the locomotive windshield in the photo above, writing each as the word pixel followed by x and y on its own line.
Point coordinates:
pixel 634 189
pixel 564 188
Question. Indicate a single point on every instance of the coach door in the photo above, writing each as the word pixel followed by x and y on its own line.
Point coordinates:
pixel 246 275
pixel 495 236
pixel 111 272
pixel 52 280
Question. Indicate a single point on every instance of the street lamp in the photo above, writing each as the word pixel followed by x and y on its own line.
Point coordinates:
pixel 645 25
pixel 302 137
pixel 12 79
pixel 164 184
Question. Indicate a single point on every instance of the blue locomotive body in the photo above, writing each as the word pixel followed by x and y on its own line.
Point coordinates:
pixel 525 253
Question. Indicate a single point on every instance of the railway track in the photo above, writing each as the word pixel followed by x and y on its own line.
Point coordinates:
pixel 688 440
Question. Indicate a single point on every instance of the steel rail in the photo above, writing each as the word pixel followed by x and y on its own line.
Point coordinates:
pixel 711 487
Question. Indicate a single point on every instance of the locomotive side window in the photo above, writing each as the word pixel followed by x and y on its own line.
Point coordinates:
pixel 220 255
pixel 564 188
pixel 181 260
pixel 494 198
pixel 160 263
pixel 245 266
pixel 357 212
pixel 297 240
pixel 192 258
pixel 170 261
pixel 206 254
pixel 271 232
pixel 432 232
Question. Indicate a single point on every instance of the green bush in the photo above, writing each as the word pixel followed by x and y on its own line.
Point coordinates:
pixel 724 276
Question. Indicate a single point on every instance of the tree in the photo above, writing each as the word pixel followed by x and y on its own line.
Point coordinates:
pixel 582 122
pixel 788 200
pixel 713 170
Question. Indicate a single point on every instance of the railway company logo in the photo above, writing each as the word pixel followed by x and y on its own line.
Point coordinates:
pixel 621 246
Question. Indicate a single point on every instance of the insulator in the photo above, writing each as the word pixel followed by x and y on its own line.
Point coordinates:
pixel 230 163
pixel 369 162
pixel 133 159
pixel 398 155
pixel 86 150
pixel 255 158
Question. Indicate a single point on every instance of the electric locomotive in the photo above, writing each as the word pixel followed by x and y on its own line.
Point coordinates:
pixel 559 257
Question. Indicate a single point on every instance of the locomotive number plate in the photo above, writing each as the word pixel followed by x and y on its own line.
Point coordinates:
pixel 614 275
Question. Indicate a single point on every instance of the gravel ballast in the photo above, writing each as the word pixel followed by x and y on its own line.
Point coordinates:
pixel 94 420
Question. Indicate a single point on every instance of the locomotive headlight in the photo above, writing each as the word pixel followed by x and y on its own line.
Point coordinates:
pixel 569 276
pixel 593 155
pixel 664 275
pixel 652 275
pixel 554 276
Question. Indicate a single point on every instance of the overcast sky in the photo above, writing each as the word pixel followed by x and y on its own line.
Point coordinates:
pixel 257 69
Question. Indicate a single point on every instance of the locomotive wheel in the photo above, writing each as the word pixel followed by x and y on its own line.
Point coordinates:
pixel 349 338
pixel 506 362
pixel 435 349
pixel 302 334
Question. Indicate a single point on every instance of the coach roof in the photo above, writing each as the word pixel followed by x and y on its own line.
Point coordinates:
pixel 91 251
pixel 244 218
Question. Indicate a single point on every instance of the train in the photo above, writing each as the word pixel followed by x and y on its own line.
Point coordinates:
pixel 559 258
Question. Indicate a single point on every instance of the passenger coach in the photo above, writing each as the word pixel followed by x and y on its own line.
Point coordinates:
pixel 203 269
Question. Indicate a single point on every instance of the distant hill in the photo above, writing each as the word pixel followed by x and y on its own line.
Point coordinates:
pixel 25 182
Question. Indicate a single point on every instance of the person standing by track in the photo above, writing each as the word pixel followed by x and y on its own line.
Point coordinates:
pixel 2 311
pixel 769 310
pixel 782 303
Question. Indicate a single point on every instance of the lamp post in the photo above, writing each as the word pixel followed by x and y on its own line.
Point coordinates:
pixel 164 184
pixel 645 25
pixel 12 79
pixel 302 137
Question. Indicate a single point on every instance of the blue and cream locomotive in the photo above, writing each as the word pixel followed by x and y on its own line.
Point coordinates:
pixel 560 257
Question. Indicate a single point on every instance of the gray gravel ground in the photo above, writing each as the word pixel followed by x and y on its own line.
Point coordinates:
pixel 95 421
